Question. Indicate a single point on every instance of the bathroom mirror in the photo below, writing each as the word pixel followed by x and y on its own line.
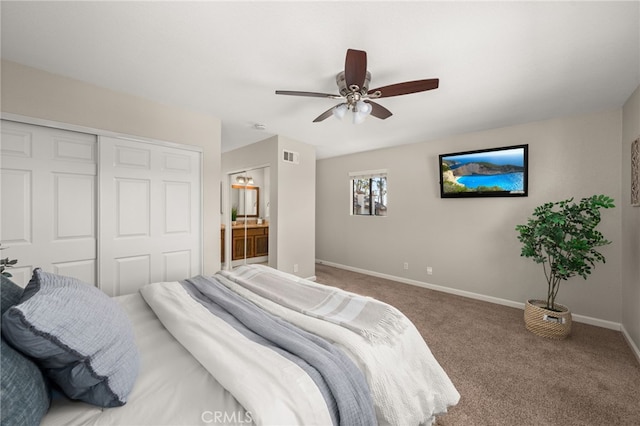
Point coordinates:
pixel 246 199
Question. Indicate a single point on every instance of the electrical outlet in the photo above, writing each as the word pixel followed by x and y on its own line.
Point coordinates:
pixel 406 265
pixel 429 270
pixel 295 267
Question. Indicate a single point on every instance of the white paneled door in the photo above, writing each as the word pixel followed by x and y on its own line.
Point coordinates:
pixel 149 223
pixel 48 200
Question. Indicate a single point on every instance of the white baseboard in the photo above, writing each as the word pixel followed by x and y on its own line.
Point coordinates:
pixel 520 305
pixel 632 345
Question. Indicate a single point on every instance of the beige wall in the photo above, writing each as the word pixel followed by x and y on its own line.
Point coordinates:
pixel 40 95
pixel 630 224
pixel 296 186
pixel 471 244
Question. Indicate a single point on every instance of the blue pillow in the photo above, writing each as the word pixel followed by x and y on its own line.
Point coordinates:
pixel 81 338
pixel 25 395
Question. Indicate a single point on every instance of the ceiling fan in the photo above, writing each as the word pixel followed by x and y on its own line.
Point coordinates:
pixel 353 85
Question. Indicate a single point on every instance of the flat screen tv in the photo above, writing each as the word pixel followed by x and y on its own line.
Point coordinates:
pixel 493 172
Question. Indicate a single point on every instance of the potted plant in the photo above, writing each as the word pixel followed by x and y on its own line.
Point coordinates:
pixel 562 236
pixel 234 215
pixel 5 264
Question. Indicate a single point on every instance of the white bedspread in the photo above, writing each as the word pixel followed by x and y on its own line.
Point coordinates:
pixel 280 394
pixel 408 384
pixel 172 388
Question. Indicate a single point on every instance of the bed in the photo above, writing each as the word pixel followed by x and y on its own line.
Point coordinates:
pixel 197 366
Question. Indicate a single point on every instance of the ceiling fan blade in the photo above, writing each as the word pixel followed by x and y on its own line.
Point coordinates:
pixel 310 94
pixel 328 113
pixel 379 111
pixel 355 68
pixel 406 88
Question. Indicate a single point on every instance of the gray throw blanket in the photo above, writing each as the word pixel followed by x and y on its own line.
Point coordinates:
pixel 332 370
pixel 376 321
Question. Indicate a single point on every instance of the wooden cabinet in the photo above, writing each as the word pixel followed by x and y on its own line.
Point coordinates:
pixel 238 245
pixel 222 245
pixel 257 241
pixel 261 244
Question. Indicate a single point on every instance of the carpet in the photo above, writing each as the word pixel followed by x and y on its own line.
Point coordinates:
pixel 505 374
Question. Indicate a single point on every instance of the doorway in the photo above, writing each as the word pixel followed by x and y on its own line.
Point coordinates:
pixel 245 231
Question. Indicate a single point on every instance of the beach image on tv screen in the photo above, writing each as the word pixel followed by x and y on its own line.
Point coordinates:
pixel 489 171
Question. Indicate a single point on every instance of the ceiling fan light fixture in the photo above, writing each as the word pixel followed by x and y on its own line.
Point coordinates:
pixel 340 111
pixel 360 111
pixel 358 117
pixel 364 107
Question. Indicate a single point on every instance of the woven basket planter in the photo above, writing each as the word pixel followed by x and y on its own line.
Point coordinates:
pixel 545 322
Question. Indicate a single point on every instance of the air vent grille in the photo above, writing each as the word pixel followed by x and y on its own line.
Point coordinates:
pixel 290 157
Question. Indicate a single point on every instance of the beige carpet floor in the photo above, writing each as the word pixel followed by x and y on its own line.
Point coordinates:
pixel 505 374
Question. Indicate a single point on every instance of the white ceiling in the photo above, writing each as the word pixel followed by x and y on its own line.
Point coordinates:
pixel 499 63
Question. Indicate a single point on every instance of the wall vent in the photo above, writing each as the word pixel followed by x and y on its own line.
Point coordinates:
pixel 290 157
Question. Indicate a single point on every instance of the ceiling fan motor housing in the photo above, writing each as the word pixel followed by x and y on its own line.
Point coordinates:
pixel 345 91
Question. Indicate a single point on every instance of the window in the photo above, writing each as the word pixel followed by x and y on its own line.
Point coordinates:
pixel 369 193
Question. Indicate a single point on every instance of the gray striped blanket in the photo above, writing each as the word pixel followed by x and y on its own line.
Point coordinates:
pixel 376 321
pixel 341 383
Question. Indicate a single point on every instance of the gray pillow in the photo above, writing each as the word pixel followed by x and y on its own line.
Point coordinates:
pixel 80 338
pixel 10 294
pixel 25 396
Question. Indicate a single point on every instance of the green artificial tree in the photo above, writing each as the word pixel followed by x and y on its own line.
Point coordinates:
pixel 562 236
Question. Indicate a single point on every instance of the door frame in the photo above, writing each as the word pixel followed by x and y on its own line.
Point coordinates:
pixel 225 209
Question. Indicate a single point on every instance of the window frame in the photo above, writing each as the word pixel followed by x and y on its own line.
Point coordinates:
pixel 369 175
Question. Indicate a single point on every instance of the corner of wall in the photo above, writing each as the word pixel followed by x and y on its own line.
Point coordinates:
pixel 630 292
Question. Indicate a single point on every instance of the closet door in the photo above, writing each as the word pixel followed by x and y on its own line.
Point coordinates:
pixel 48 208
pixel 150 204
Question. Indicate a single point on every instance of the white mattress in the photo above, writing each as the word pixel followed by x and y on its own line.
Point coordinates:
pixel 172 387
